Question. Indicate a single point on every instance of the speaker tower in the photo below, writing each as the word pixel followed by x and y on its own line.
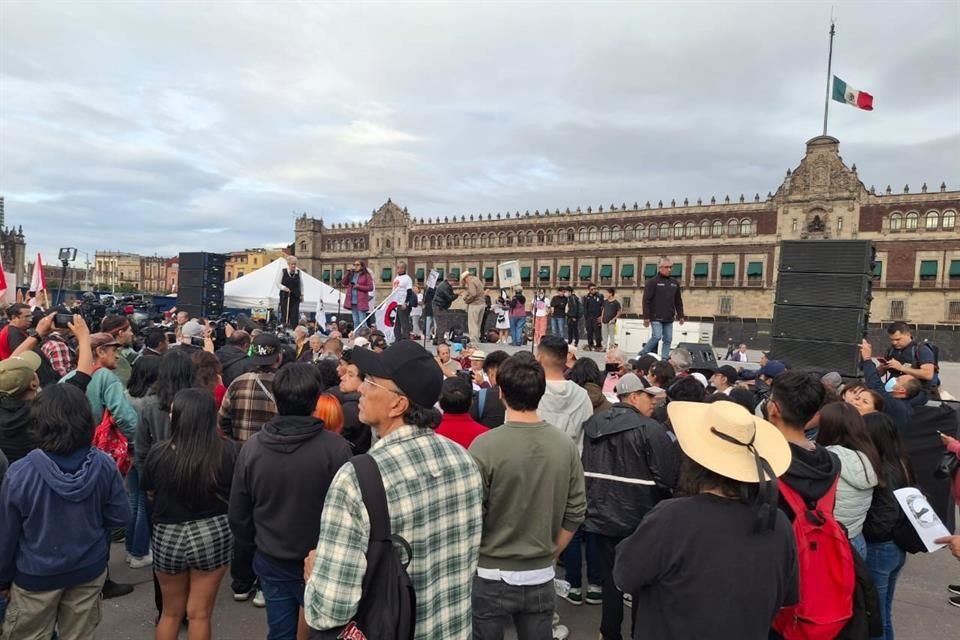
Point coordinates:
pixel 200 284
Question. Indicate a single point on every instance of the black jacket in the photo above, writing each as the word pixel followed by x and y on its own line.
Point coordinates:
pixel 661 299
pixel 629 464
pixel 592 305
pixel 574 308
pixel 280 481
pixel 357 434
pixel 234 361
pixel 811 474
pixel 16 423
pixel 494 413
pixel 444 296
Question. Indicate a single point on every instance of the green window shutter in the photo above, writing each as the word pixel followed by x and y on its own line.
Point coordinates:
pixel 525 273
pixel 728 270
pixel 586 271
pixel 701 270
pixel 564 272
pixel 955 268
pixel 439 273
pixel 878 268
pixel 488 274
pixel 455 272
pixel 626 271
pixel 326 275
pixel 754 269
pixel 544 273
pixel 338 274
pixel 606 271
pixel 419 274
pixel 649 270
pixel 928 269
pixel 677 270
pixel 387 274
pixel 472 270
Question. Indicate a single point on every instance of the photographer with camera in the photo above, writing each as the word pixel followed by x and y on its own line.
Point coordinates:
pixel 195 336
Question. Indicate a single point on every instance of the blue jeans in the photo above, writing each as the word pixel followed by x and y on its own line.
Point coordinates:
pixel 573 560
pixel 558 326
pixel 885 560
pixel 3 609
pixel 138 529
pixel 659 330
pixel 358 316
pixel 516 330
pixel 860 545
pixel 428 326
pixel 283 591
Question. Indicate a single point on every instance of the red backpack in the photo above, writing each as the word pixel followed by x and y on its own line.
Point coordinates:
pixel 827 579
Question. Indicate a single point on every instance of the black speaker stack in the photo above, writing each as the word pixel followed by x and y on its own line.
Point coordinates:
pixel 200 284
pixel 822 304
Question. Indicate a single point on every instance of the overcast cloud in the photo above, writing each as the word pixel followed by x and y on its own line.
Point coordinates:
pixel 162 127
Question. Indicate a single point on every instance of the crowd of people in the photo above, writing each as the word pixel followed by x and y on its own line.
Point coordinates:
pixel 763 496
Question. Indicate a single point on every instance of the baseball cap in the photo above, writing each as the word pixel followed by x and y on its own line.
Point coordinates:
pixel 832 380
pixel 409 366
pixel 772 369
pixel 99 340
pixel 629 383
pixel 264 349
pixel 17 372
pixel 727 372
pixel 191 329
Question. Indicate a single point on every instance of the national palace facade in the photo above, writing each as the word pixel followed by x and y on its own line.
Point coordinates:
pixel 725 251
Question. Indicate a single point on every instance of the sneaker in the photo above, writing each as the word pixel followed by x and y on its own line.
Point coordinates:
pixel 594 595
pixel 119 535
pixel 628 600
pixel 113 589
pixel 141 562
pixel 574 597
pixel 258 600
pixel 243 596
pixel 560 632
pixel 955 601
pixel 954 588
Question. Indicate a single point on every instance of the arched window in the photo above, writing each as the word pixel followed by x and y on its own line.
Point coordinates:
pixel 604 234
pixel 416 242
pixel 616 234
pixel 717 228
pixel 433 242
pixel 896 221
pixel 931 221
pixel 456 241
pixel 389 243
pixel 733 227
pixel 501 239
pixel 691 230
pixel 678 230
pixel 529 237
pixel 483 240
pixel 911 221
pixel 520 239
pixel 303 245
pixel 473 241
pixel 540 237
pixel 550 236
pixel 664 231
pixel 339 245
pixel 571 236
pixel 628 233
pixel 583 234
pixel 949 220
pixel 653 231
pixel 746 227
pixel 593 234
pixel 705 229
pixel 509 238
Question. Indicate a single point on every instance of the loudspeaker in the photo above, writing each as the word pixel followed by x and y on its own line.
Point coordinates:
pixel 200 284
pixel 702 356
pixel 201 260
pixel 822 304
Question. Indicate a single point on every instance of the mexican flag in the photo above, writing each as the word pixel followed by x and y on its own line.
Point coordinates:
pixel 842 92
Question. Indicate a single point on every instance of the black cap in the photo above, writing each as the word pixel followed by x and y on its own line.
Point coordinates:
pixel 407 365
pixel 264 349
pixel 729 373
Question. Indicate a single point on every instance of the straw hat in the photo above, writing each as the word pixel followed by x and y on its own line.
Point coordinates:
pixel 727 439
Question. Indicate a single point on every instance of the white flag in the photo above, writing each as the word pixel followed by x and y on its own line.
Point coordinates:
pixel 37 282
pixel 387 313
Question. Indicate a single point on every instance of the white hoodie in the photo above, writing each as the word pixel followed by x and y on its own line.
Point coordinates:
pixel 566 406
pixel 855 491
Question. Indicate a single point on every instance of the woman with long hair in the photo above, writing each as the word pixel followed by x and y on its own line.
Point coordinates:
pixel 843 432
pixel 330 411
pixel 187 478
pixel 884 557
pixel 206 374
pixel 137 539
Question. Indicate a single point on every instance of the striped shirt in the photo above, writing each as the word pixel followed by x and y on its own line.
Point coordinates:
pixel 434 494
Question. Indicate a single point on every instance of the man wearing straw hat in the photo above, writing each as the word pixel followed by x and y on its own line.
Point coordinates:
pixel 721 562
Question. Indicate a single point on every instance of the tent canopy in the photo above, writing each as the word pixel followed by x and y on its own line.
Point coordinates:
pixel 261 290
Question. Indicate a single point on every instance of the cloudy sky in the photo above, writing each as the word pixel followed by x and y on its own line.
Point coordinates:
pixel 166 126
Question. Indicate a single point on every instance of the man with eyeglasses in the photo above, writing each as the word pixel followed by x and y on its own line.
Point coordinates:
pixel 435 495
pixel 661 304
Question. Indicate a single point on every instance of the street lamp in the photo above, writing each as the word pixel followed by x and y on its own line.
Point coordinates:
pixel 67 255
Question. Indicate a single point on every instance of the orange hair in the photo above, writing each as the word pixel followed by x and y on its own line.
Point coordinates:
pixel 329 410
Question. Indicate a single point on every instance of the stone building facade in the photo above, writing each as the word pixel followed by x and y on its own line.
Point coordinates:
pixel 13 249
pixel 725 252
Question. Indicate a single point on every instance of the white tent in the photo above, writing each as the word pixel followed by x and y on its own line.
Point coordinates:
pixel 261 290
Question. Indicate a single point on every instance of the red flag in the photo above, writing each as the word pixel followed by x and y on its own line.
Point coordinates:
pixel 37 282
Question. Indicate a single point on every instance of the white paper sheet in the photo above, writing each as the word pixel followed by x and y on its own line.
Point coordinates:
pixel 922 516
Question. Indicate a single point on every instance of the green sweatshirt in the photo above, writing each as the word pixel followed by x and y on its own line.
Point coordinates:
pixel 533 486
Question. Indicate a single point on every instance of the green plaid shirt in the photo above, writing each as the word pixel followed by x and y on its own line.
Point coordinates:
pixel 434 495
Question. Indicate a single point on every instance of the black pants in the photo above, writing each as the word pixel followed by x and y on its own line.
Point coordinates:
pixel 289 309
pixel 241 567
pixel 593 332
pixel 496 603
pixel 573 331
pixel 402 327
pixel 611 613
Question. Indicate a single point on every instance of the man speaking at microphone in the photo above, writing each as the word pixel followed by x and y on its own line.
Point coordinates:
pixel 291 293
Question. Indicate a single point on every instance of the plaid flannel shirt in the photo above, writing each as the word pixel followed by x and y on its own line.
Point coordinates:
pixel 58 353
pixel 434 492
pixel 248 405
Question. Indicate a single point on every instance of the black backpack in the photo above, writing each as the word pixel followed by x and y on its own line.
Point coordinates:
pixel 388 604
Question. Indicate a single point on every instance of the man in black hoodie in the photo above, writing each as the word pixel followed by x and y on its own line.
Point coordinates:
pixel 233 357
pixel 280 481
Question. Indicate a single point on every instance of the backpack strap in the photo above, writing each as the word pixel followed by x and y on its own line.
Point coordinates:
pixel 374 495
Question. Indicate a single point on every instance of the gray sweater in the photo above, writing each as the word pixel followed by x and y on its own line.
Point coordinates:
pixel 855 490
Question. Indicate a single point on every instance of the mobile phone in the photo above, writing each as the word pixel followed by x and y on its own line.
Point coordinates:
pixel 882 360
pixel 612 367
pixel 62 320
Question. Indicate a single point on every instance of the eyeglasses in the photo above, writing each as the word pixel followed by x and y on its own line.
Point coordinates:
pixel 367 380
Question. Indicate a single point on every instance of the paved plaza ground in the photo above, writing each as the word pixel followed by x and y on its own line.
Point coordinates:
pixel 921 611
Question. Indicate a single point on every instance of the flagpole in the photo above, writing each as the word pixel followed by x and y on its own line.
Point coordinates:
pixel 826 99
